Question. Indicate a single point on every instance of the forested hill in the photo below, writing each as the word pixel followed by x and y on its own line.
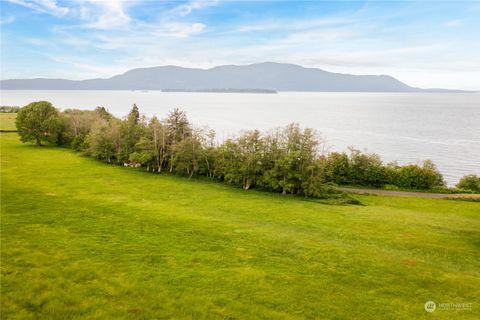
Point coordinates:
pixel 260 76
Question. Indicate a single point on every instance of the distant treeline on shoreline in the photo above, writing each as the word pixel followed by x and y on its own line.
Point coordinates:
pixel 9 109
pixel 223 90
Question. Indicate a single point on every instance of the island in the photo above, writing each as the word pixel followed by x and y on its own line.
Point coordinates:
pixel 226 90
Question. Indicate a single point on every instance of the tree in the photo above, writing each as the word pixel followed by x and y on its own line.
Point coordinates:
pixel 144 152
pixel 366 169
pixel 297 150
pixel 157 133
pixel 39 122
pixel 251 153
pixel 78 125
pixel 103 113
pixel 101 140
pixel 131 131
pixel 226 163
pixel 469 182
pixel 9 109
pixel 178 125
pixel 187 153
pixel 337 168
pixel 178 128
pixel 208 154
pixel 424 177
pixel 314 184
pixel 134 115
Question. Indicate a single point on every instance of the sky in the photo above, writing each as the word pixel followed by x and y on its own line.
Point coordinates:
pixel 427 44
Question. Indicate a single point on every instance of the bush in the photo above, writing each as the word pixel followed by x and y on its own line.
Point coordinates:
pixel 469 182
pixel 415 177
pixel 367 169
pixel 337 168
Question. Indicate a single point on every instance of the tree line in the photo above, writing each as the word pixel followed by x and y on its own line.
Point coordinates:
pixel 9 109
pixel 286 160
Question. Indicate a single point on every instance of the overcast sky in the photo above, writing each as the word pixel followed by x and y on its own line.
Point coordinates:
pixel 425 44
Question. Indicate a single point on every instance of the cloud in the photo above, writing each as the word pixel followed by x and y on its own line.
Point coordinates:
pixel 83 67
pixel 328 34
pixel 454 23
pixel 44 6
pixel 290 25
pixel 186 9
pixel 37 42
pixel 98 14
pixel 370 57
pixel 113 14
pixel 7 20
pixel 104 14
pixel 181 30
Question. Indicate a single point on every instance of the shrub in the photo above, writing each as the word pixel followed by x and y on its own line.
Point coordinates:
pixel 366 169
pixel 419 177
pixel 469 182
pixel 337 168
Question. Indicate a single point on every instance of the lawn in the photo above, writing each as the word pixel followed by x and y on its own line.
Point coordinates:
pixel 82 239
pixel 7 121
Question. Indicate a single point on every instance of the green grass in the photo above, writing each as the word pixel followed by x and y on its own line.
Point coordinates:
pixel 82 239
pixel 7 121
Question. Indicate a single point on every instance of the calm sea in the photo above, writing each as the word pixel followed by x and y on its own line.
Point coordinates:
pixel 407 127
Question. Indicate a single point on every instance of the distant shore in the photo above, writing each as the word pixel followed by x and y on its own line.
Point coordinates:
pixel 222 90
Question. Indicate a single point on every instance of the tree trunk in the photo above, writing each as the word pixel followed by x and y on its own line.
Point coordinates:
pixel 208 167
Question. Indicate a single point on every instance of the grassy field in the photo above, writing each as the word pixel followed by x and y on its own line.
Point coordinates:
pixel 7 121
pixel 82 239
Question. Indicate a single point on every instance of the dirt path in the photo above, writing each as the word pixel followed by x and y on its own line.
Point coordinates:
pixel 409 193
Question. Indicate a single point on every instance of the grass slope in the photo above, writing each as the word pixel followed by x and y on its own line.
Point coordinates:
pixel 81 239
pixel 7 121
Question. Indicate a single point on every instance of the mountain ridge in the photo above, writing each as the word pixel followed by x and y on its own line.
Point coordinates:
pixel 259 76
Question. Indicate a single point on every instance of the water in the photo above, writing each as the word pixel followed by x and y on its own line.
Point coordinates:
pixel 407 127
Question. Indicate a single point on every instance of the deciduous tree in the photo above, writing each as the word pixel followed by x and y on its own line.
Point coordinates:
pixel 39 122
